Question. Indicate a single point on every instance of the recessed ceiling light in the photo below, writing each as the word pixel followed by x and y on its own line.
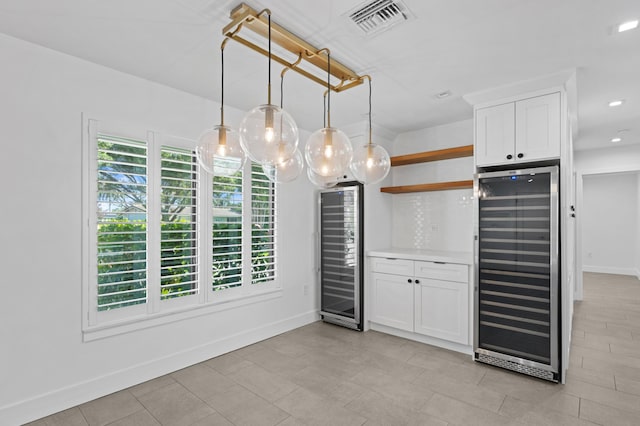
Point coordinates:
pixel 616 139
pixel 626 26
pixel 616 103
pixel 444 94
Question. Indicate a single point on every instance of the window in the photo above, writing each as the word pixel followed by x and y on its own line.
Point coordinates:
pixel 162 236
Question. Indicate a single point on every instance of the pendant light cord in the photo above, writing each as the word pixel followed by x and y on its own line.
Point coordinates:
pixel 269 86
pixel 328 89
pixel 222 85
pixel 370 111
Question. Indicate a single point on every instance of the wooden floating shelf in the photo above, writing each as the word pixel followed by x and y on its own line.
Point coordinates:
pixel 424 187
pixel 441 154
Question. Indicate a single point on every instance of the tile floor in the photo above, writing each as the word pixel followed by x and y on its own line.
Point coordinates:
pixel 326 375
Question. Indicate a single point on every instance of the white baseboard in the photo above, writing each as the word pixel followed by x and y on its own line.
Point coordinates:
pixel 610 270
pixel 452 346
pixel 79 393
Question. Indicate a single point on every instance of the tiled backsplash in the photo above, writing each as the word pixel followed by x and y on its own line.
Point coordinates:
pixel 441 220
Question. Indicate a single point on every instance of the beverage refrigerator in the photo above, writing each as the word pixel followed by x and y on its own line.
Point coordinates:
pixel 340 253
pixel 517 297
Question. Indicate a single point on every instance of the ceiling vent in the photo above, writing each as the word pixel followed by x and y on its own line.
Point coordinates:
pixel 379 15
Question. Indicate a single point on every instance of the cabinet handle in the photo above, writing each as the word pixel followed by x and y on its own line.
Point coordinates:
pixel 409 280
pixel 509 157
pixel 520 155
pixel 417 281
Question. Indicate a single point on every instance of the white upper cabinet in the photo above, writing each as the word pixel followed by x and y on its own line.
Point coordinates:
pixel 518 132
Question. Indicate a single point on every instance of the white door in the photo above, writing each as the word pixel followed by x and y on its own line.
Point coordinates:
pixel 442 310
pixel 495 135
pixel 538 128
pixel 392 300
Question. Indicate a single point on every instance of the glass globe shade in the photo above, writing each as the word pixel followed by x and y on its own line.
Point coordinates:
pixel 322 181
pixel 370 164
pixel 219 151
pixel 268 134
pixel 286 170
pixel 328 152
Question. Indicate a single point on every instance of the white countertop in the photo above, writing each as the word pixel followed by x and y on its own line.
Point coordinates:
pixel 462 257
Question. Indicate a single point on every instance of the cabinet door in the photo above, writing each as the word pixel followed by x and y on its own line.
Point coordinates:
pixel 495 135
pixel 538 128
pixel 392 300
pixel 442 310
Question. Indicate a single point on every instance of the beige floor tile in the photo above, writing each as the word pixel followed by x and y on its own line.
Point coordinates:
pixel 460 413
pixel 406 394
pixel 228 363
pixel 140 418
pixel 291 421
pixel 382 410
pixel 600 378
pixel 460 368
pixel 243 407
pixel 262 382
pixel 518 386
pixel 276 362
pixel 203 381
pixel 443 383
pixel 110 408
pixel 627 385
pixel 316 410
pixel 70 417
pixel 603 395
pixel 175 405
pixel 214 419
pixel 552 418
pixel 608 416
pixel 151 385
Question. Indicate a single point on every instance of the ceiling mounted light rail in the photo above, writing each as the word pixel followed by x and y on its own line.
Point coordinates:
pixel 250 19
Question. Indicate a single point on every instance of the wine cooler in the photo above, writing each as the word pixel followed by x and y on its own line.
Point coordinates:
pixel 516 266
pixel 341 255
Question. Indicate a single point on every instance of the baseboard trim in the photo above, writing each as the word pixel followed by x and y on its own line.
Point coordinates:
pixel 610 270
pixel 79 393
pixel 452 346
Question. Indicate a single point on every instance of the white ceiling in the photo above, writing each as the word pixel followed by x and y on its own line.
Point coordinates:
pixel 464 46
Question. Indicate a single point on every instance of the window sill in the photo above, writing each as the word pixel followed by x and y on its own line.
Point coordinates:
pixel 160 318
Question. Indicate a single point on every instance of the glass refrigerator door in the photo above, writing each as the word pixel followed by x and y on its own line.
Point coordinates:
pixel 339 252
pixel 517 277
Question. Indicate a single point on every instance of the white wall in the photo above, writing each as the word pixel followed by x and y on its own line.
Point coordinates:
pixel 439 220
pixel 610 223
pixel 44 365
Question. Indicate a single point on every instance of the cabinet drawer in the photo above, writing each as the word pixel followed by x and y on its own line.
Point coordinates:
pixel 392 266
pixel 442 271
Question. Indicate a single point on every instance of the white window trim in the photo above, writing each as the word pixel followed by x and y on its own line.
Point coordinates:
pixel 98 325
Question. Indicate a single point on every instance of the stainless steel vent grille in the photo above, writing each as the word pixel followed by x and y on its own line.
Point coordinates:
pixel 514 366
pixel 379 15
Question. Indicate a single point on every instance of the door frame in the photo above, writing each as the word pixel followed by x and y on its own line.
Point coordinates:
pixel 580 174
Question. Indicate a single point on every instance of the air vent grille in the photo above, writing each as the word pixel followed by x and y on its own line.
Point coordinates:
pixel 379 15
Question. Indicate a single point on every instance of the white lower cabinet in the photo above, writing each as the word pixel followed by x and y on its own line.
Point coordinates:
pixel 428 298
pixel 392 300
pixel 442 310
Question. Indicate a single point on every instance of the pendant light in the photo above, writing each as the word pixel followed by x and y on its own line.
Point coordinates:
pixel 328 151
pixel 285 169
pixel 268 134
pixel 371 162
pixel 218 150
pixel 322 182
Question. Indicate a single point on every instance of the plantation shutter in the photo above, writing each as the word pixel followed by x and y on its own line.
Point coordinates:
pixel 121 222
pixel 263 253
pixel 227 231
pixel 178 225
